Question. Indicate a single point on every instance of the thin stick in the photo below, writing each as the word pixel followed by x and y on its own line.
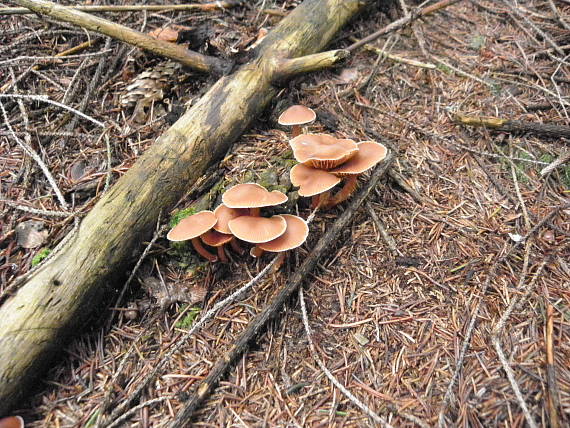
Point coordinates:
pixel 134 8
pixel 136 409
pixel 553 396
pixel 194 60
pixel 271 310
pixel 378 419
pixel 35 157
pixel 36 211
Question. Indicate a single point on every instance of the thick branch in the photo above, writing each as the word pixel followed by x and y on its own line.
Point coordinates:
pixel 61 295
pixel 498 124
pixel 289 68
pixel 194 60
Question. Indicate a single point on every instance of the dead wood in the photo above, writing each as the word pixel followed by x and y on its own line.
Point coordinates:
pixel 270 311
pixel 60 296
pixel 194 60
pixel 506 125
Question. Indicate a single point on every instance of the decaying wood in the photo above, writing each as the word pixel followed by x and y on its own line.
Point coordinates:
pixel 194 60
pixel 271 310
pixel 59 297
pixel 506 125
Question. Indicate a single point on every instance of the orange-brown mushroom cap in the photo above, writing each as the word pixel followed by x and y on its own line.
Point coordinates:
pixel 296 115
pixel 192 226
pixel 251 195
pixel 258 229
pixel 312 181
pixel 224 214
pixel 296 233
pixel 213 238
pixel 369 154
pixel 12 422
pixel 322 151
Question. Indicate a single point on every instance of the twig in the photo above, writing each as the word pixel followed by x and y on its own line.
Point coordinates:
pixel 194 60
pixel 135 409
pixel 560 160
pixel 270 311
pixel 134 8
pixel 31 210
pixel 402 22
pixel 387 238
pixel 378 419
pixel 35 157
pixel 395 58
pixel 553 395
pixel 45 99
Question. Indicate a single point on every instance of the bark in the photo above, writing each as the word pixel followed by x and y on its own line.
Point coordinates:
pixel 60 296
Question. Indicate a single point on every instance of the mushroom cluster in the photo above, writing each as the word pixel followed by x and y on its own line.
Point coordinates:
pixel 325 161
pixel 239 218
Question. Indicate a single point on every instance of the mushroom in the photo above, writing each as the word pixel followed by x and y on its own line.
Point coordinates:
pixel 252 196
pixel 369 154
pixel 294 236
pixel 313 182
pixel 296 116
pixel 213 238
pixel 191 228
pixel 258 229
pixel 12 422
pixel 322 151
pixel 224 214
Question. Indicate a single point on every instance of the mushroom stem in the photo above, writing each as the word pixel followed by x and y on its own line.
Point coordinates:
pixel 202 251
pixel 256 252
pixel 254 212
pixel 222 254
pixel 237 247
pixel 296 131
pixel 320 200
pixel 350 185
pixel 279 261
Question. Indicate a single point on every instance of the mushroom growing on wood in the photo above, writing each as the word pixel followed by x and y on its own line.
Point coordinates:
pixel 322 151
pixel 252 196
pixel 369 154
pixel 191 228
pixel 258 229
pixel 296 116
pixel 314 183
pixel 295 235
pixel 12 422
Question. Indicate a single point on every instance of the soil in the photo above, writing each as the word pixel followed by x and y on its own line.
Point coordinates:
pixel 431 308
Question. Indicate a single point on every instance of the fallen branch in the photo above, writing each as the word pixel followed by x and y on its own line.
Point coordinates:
pixel 194 60
pixel 506 125
pixel 62 293
pixel 134 8
pixel 270 311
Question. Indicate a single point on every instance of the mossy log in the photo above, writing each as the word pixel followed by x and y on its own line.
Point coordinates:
pixel 57 299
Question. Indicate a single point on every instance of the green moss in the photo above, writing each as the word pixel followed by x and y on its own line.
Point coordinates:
pixel 189 318
pixel 42 254
pixel 179 215
pixel 563 171
pixel 444 68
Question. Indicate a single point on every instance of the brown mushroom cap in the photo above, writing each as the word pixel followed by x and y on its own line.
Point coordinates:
pixel 251 195
pixel 12 422
pixel 296 233
pixel 224 214
pixel 312 181
pixel 322 151
pixel 213 238
pixel 192 226
pixel 369 154
pixel 296 115
pixel 258 229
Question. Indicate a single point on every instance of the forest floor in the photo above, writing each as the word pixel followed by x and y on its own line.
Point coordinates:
pixel 432 312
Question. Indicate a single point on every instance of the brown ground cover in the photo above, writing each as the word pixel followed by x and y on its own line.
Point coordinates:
pixel 437 293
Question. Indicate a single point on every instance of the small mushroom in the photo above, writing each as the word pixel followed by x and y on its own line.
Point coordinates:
pixel 369 154
pixel 258 229
pixel 252 196
pixel 191 228
pixel 313 182
pixel 224 214
pixel 295 235
pixel 12 422
pixel 296 116
pixel 322 151
pixel 213 238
